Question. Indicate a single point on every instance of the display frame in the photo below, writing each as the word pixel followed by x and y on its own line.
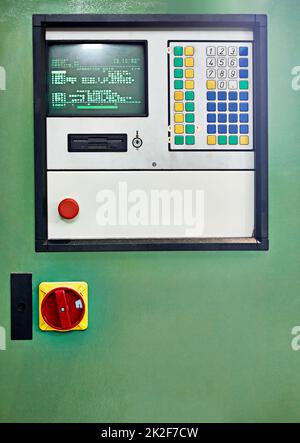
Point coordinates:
pixel 99 41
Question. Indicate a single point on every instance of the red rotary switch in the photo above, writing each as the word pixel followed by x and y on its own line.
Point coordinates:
pixel 63 308
pixel 68 208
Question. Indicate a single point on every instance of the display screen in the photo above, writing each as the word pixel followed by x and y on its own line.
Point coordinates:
pixel 97 79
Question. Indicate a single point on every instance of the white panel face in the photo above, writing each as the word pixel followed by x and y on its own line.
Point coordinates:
pixel 194 204
pixel 154 129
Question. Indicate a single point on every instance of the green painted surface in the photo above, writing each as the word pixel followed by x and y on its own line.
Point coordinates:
pixel 203 336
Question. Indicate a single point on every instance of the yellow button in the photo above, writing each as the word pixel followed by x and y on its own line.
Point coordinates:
pixel 178 95
pixel 189 73
pixel 178 118
pixel 244 140
pixel 178 129
pixel 189 61
pixel 189 50
pixel 211 139
pixel 178 107
pixel 211 84
pixel 189 84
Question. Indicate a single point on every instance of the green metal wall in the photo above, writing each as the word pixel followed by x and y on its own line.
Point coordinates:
pixel 174 336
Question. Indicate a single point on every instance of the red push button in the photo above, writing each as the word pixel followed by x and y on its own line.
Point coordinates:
pixel 68 208
pixel 63 308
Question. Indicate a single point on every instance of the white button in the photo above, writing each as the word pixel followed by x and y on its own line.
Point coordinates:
pixel 232 50
pixel 210 73
pixel 221 73
pixel 232 62
pixel 232 84
pixel 222 62
pixel 221 50
pixel 222 84
pixel 232 73
pixel 210 62
pixel 211 50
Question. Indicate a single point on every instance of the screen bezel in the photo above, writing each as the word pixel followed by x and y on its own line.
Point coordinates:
pixel 81 114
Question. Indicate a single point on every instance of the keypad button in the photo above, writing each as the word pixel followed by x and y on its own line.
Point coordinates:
pixel 189 50
pixel 210 50
pixel 244 129
pixel 232 73
pixel 189 95
pixel 243 73
pixel 178 107
pixel 244 96
pixel 222 118
pixel 211 95
pixel 244 84
pixel 178 50
pixel 222 62
pixel 189 84
pixel 189 129
pixel 232 95
pixel 178 84
pixel 190 107
pixel 243 63
pixel 222 106
pixel 222 129
pixel 179 129
pixel 178 118
pixel 244 140
pixel 232 84
pixel 233 118
pixel 244 107
pixel 233 129
pixel 178 95
pixel 179 140
pixel 189 62
pixel 244 118
pixel 232 50
pixel 232 62
pixel 211 106
pixel 211 118
pixel 189 73
pixel 189 140
pixel 243 51
pixel 178 62
pixel 221 50
pixel 210 62
pixel 233 107
pixel 211 129
pixel 233 139
pixel 211 84
pixel 178 73
pixel 211 140
pixel 222 140
pixel 222 95
pixel 222 73
pixel 189 118
pixel 222 84
pixel 211 73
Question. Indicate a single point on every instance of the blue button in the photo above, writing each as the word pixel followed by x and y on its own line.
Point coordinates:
pixel 244 118
pixel 211 95
pixel 222 118
pixel 244 107
pixel 243 63
pixel 211 118
pixel 233 129
pixel 243 95
pixel 222 129
pixel 243 73
pixel 221 106
pixel 243 50
pixel 221 95
pixel 211 106
pixel 233 95
pixel 211 129
pixel 233 118
pixel 233 107
pixel 244 129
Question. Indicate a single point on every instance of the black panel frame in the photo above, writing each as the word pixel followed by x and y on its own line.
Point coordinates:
pixel 21 306
pixel 255 22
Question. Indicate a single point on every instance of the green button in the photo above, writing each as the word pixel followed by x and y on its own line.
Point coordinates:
pixel 190 118
pixel 189 140
pixel 179 139
pixel 244 84
pixel 222 140
pixel 189 129
pixel 189 107
pixel 178 84
pixel 189 95
pixel 178 50
pixel 178 62
pixel 233 139
pixel 178 73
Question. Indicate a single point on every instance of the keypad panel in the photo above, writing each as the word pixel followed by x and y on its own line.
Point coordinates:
pixel 211 105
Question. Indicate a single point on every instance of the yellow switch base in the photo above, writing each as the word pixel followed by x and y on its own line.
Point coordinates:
pixel 81 287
